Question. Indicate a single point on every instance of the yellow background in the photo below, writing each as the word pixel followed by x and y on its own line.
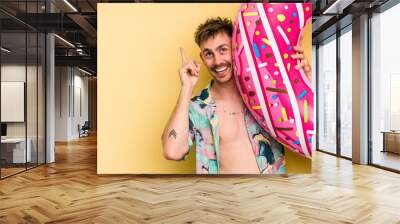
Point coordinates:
pixel 138 82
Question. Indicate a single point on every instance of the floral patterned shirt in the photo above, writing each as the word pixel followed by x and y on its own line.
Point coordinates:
pixel 203 131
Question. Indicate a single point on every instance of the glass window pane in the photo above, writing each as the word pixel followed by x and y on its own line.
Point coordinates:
pixel 314 86
pixel 14 153
pixel 31 86
pixel 32 95
pixel 327 96
pixel 385 89
pixel 22 89
pixel 346 94
pixel 41 98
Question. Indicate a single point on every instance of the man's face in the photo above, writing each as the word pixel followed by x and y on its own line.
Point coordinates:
pixel 217 56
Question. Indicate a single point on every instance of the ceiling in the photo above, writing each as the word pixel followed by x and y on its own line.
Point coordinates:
pixel 76 22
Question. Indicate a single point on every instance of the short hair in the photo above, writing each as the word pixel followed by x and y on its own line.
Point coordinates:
pixel 212 27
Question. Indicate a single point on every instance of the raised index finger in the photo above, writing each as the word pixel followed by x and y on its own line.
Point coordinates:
pixel 183 55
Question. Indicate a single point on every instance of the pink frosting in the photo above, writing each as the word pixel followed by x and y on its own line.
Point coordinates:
pixel 279 96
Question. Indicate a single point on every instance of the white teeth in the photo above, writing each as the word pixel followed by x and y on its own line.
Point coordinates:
pixel 221 69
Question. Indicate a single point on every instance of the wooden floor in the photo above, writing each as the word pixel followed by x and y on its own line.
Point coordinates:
pixel 387 159
pixel 5 172
pixel 8 171
pixel 69 191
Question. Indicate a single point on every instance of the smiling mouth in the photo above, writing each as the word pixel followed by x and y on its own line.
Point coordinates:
pixel 221 69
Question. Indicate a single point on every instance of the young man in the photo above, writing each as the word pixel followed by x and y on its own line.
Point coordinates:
pixel 228 140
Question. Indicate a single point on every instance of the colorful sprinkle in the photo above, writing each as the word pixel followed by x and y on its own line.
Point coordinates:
pixel 289 30
pixel 288 66
pixel 281 17
pixel 266 76
pixel 291 120
pixel 276 73
pixel 276 90
pixel 268 55
pixel 310 140
pixel 290 48
pixel 263 46
pixel 307 9
pixel 255 48
pixel 248 23
pixel 262 65
pixel 256 107
pixel 276 64
pixel 284 115
pixel 286 7
pixel 265 40
pixel 275 104
pixel 305 111
pixel 274 96
pixel 284 129
pixel 285 56
pixel 279 119
pixel 294 14
pixel 297 142
pixel 302 94
pixel 250 14
pixel 270 10
pixel 273 82
pixel 257 33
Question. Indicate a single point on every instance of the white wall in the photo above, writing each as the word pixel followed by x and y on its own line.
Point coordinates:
pixel 62 82
pixel 81 102
pixel 71 94
pixel 10 73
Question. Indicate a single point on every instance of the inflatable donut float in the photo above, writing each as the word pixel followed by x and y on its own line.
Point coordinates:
pixel 278 96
